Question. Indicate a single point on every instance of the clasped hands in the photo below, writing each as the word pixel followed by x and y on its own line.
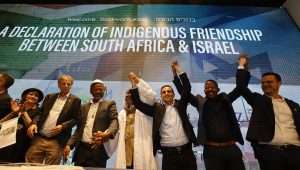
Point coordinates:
pixel 99 138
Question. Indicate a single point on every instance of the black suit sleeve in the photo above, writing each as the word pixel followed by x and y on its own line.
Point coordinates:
pixel 186 90
pixel 242 81
pixel 75 138
pixel 42 117
pixel 75 113
pixel 113 115
pixel 234 94
pixel 178 82
pixel 145 108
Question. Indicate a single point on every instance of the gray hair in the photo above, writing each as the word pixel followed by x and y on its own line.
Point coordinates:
pixel 65 76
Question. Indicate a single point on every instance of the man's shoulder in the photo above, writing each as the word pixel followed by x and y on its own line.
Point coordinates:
pixel 109 101
pixel 5 96
pixel 200 98
pixel 74 96
pixel 292 103
pixel 158 105
pixel 106 103
pixel 51 95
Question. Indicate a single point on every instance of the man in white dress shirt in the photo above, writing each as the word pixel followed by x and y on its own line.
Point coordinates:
pixel 53 128
pixel 172 131
pixel 98 123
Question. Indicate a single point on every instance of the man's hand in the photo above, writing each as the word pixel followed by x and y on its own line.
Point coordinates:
pixel 15 106
pixel 32 130
pixel 105 136
pixel 243 61
pixel 97 139
pixel 66 153
pixel 173 67
pixel 55 131
pixel 100 137
pixel 133 78
pixel 176 69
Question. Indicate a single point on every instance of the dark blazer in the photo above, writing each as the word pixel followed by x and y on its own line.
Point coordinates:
pixel 106 118
pixel 262 122
pixel 67 118
pixel 4 104
pixel 5 153
pixel 157 111
pixel 198 102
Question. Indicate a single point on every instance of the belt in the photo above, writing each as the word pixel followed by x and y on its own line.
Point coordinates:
pixel 85 145
pixel 46 137
pixel 177 149
pixel 220 144
pixel 281 147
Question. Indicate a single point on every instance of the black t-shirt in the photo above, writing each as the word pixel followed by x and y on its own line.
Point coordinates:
pixel 216 120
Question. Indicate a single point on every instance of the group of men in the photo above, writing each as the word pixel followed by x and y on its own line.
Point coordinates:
pixel 274 127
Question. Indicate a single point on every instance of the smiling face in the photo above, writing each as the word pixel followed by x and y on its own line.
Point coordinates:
pixel 167 94
pixel 97 90
pixel 65 84
pixel 270 85
pixel 32 97
pixel 211 89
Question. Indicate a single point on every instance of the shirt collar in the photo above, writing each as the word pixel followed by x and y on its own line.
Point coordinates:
pixel 173 103
pixel 64 97
pixel 281 99
pixel 92 102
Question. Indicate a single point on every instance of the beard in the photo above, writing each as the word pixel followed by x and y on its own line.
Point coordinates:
pixel 129 108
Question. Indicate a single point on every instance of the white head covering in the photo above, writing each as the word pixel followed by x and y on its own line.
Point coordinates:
pixel 97 81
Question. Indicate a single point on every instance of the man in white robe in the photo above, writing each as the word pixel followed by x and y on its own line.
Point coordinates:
pixel 143 157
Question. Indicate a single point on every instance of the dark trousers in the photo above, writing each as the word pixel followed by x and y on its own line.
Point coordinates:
pixel 223 158
pixel 87 156
pixel 178 158
pixel 7 154
pixel 277 157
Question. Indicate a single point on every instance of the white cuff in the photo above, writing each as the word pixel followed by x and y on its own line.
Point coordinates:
pixel 241 67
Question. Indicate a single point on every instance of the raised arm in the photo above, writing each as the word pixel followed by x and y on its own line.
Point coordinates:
pixel 242 80
pixel 147 94
pixel 15 108
pixel 182 83
pixel 145 108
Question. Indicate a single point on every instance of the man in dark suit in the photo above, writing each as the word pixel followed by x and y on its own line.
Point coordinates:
pixel 53 129
pixel 274 127
pixel 5 82
pixel 218 128
pixel 98 123
pixel 172 131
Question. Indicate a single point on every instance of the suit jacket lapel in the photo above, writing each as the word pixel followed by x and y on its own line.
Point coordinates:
pixel 66 106
pixel 161 115
pixel 270 105
pixel 100 106
pixel 181 115
pixel 51 102
pixel 85 111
